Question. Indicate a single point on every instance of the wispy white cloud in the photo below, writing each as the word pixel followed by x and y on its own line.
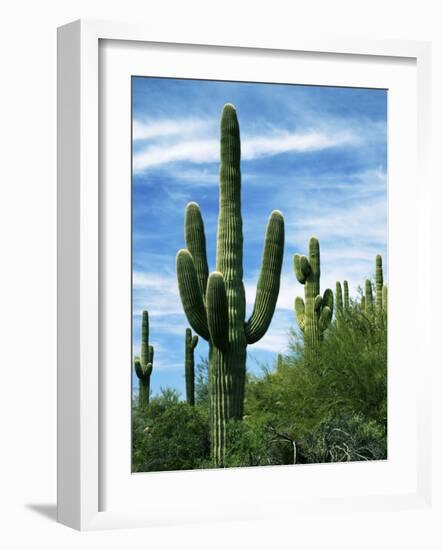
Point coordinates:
pixel 159 152
pixel 156 292
pixel 167 128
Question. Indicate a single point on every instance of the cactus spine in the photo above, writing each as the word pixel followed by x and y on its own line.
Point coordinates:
pixel 143 365
pixel 314 313
pixel 191 343
pixel 215 304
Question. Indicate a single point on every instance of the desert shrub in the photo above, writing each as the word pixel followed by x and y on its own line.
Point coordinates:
pixel 169 435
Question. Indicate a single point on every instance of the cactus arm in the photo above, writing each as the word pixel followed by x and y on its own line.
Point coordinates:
pixel 300 312
pixel 339 303
pixel 363 303
pixel 190 294
pixel 147 369
pixel 217 311
pixel 138 369
pixel 346 297
pixel 150 355
pixel 196 243
pixel 327 300
pixel 302 268
pixel 318 303
pixel 269 280
pixel 325 318
pixel 194 342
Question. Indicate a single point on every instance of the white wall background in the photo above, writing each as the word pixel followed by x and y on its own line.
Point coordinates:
pixel 28 265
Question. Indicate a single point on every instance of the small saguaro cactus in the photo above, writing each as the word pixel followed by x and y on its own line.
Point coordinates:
pixel 368 302
pixel 378 303
pixel 143 365
pixel 189 366
pixel 346 296
pixel 342 302
pixel 338 299
pixel 314 313
pixel 215 305
pixel 385 298
pixel 379 282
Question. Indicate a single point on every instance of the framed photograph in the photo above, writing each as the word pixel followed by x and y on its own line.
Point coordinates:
pixel 231 259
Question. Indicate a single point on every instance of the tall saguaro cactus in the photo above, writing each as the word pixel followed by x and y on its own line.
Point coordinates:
pixel 144 365
pixel 314 313
pixel 189 367
pixel 215 305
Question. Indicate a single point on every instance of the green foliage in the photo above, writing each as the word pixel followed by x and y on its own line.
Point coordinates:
pixel 169 435
pixel 215 305
pixel 202 383
pixel 342 387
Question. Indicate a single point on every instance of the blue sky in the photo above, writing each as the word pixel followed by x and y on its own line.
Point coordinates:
pixel 318 154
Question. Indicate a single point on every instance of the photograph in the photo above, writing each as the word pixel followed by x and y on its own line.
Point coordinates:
pixel 259 274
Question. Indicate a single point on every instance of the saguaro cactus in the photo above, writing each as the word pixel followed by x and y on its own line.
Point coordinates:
pixel 342 301
pixel 215 305
pixel 315 312
pixel 144 365
pixel 338 299
pixel 189 367
pixel 346 296
pixel 378 303
pixel 379 283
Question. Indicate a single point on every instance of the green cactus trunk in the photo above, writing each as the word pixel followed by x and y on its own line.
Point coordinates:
pixel 375 306
pixel 314 313
pixel 215 305
pixel 143 365
pixel 379 283
pixel 346 296
pixel 189 368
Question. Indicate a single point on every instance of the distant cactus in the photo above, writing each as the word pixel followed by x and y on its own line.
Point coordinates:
pixel 368 297
pixel 215 305
pixel 314 313
pixel 143 366
pixel 191 343
pixel 385 298
pixel 338 299
pixel 375 305
pixel 379 283
pixel 346 296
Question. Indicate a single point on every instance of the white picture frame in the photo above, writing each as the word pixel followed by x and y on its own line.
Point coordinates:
pixel 80 395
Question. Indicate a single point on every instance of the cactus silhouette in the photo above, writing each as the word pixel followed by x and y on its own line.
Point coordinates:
pixel 143 365
pixel 189 367
pixel 215 304
pixel 314 313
